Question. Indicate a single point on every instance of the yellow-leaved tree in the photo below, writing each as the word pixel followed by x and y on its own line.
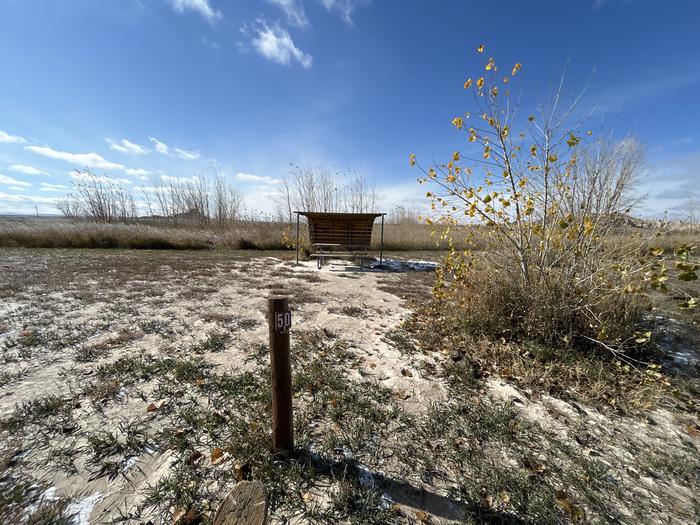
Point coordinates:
pixel 548 203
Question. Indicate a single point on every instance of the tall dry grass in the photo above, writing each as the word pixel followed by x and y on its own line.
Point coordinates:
pixel 261 235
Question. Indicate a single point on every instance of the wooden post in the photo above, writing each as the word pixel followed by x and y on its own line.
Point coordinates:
pixel 280 320
pixel 381 244
pixel 297 238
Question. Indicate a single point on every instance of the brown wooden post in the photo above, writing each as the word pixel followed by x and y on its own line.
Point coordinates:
pixel 381 244
pixel 280 320
pixel 297 238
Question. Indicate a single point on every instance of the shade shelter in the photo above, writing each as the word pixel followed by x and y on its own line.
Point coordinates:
pixel 340 235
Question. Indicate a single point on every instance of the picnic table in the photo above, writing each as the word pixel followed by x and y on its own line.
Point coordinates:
pixel 340 235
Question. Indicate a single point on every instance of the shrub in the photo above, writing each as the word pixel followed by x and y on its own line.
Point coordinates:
pixel 549 200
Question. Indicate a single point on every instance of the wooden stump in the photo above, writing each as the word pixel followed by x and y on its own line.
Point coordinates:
pixel 246 504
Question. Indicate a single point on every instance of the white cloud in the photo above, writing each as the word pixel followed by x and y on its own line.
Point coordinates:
pixel 203 7
pixel 186 155
pixel 274 43
pixel 249 177
pixel 137 172
pixel 160 146
pixel 164 149
pixel 27 170
pixel 7 197
pixel 344 7
pixel 88 160
pixel 294 10
pixel 4 179
pixel 45 186
pixel 11 139
pixel 125 146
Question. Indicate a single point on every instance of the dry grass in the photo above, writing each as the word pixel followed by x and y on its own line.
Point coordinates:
pixel 262 235
pixel 592 376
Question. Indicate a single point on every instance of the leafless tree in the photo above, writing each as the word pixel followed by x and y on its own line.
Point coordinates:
pixel 316 188
pixel 692 210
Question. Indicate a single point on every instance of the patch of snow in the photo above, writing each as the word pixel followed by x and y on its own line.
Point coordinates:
pixel 123 392
pixel 83 508
pixel 398 265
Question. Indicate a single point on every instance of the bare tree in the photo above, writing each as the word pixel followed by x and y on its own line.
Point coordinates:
pixel 98 198
pixel 318 189
pixel 195 200
pixel 227 201
pixel 692 210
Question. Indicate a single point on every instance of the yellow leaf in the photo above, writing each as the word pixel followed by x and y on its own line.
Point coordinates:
pixel 450 178
pixel 533 150
pixel 481 48
pixel 412 159
pixel 455 156
pixel 468 83
pixel 517 67
pixel 457 122
pixel 480 83
pixel 494 91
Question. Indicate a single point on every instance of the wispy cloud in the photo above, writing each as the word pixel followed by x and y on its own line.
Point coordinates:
pixel 669 183
pixel 294 11
pixel 126 146
pixel 45 186
pixel 345 8
pixel 160 147
pixel 203 7
pixel 275 44
pixel 11 139
pixel 164 149
pixel 186 155
pixel 9 181
pixel 7 197
pixel 137 172
pixel 249 177
pixel 28 170
pixel 88 160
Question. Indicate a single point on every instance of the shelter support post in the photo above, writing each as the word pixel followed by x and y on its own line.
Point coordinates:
pixel 297 243
pixel 381 244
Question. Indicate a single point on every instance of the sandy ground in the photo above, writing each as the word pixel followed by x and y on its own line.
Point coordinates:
pixel 79 307
pixel 57 304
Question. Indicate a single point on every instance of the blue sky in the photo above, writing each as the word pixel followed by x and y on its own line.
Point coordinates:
pixel 133 88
